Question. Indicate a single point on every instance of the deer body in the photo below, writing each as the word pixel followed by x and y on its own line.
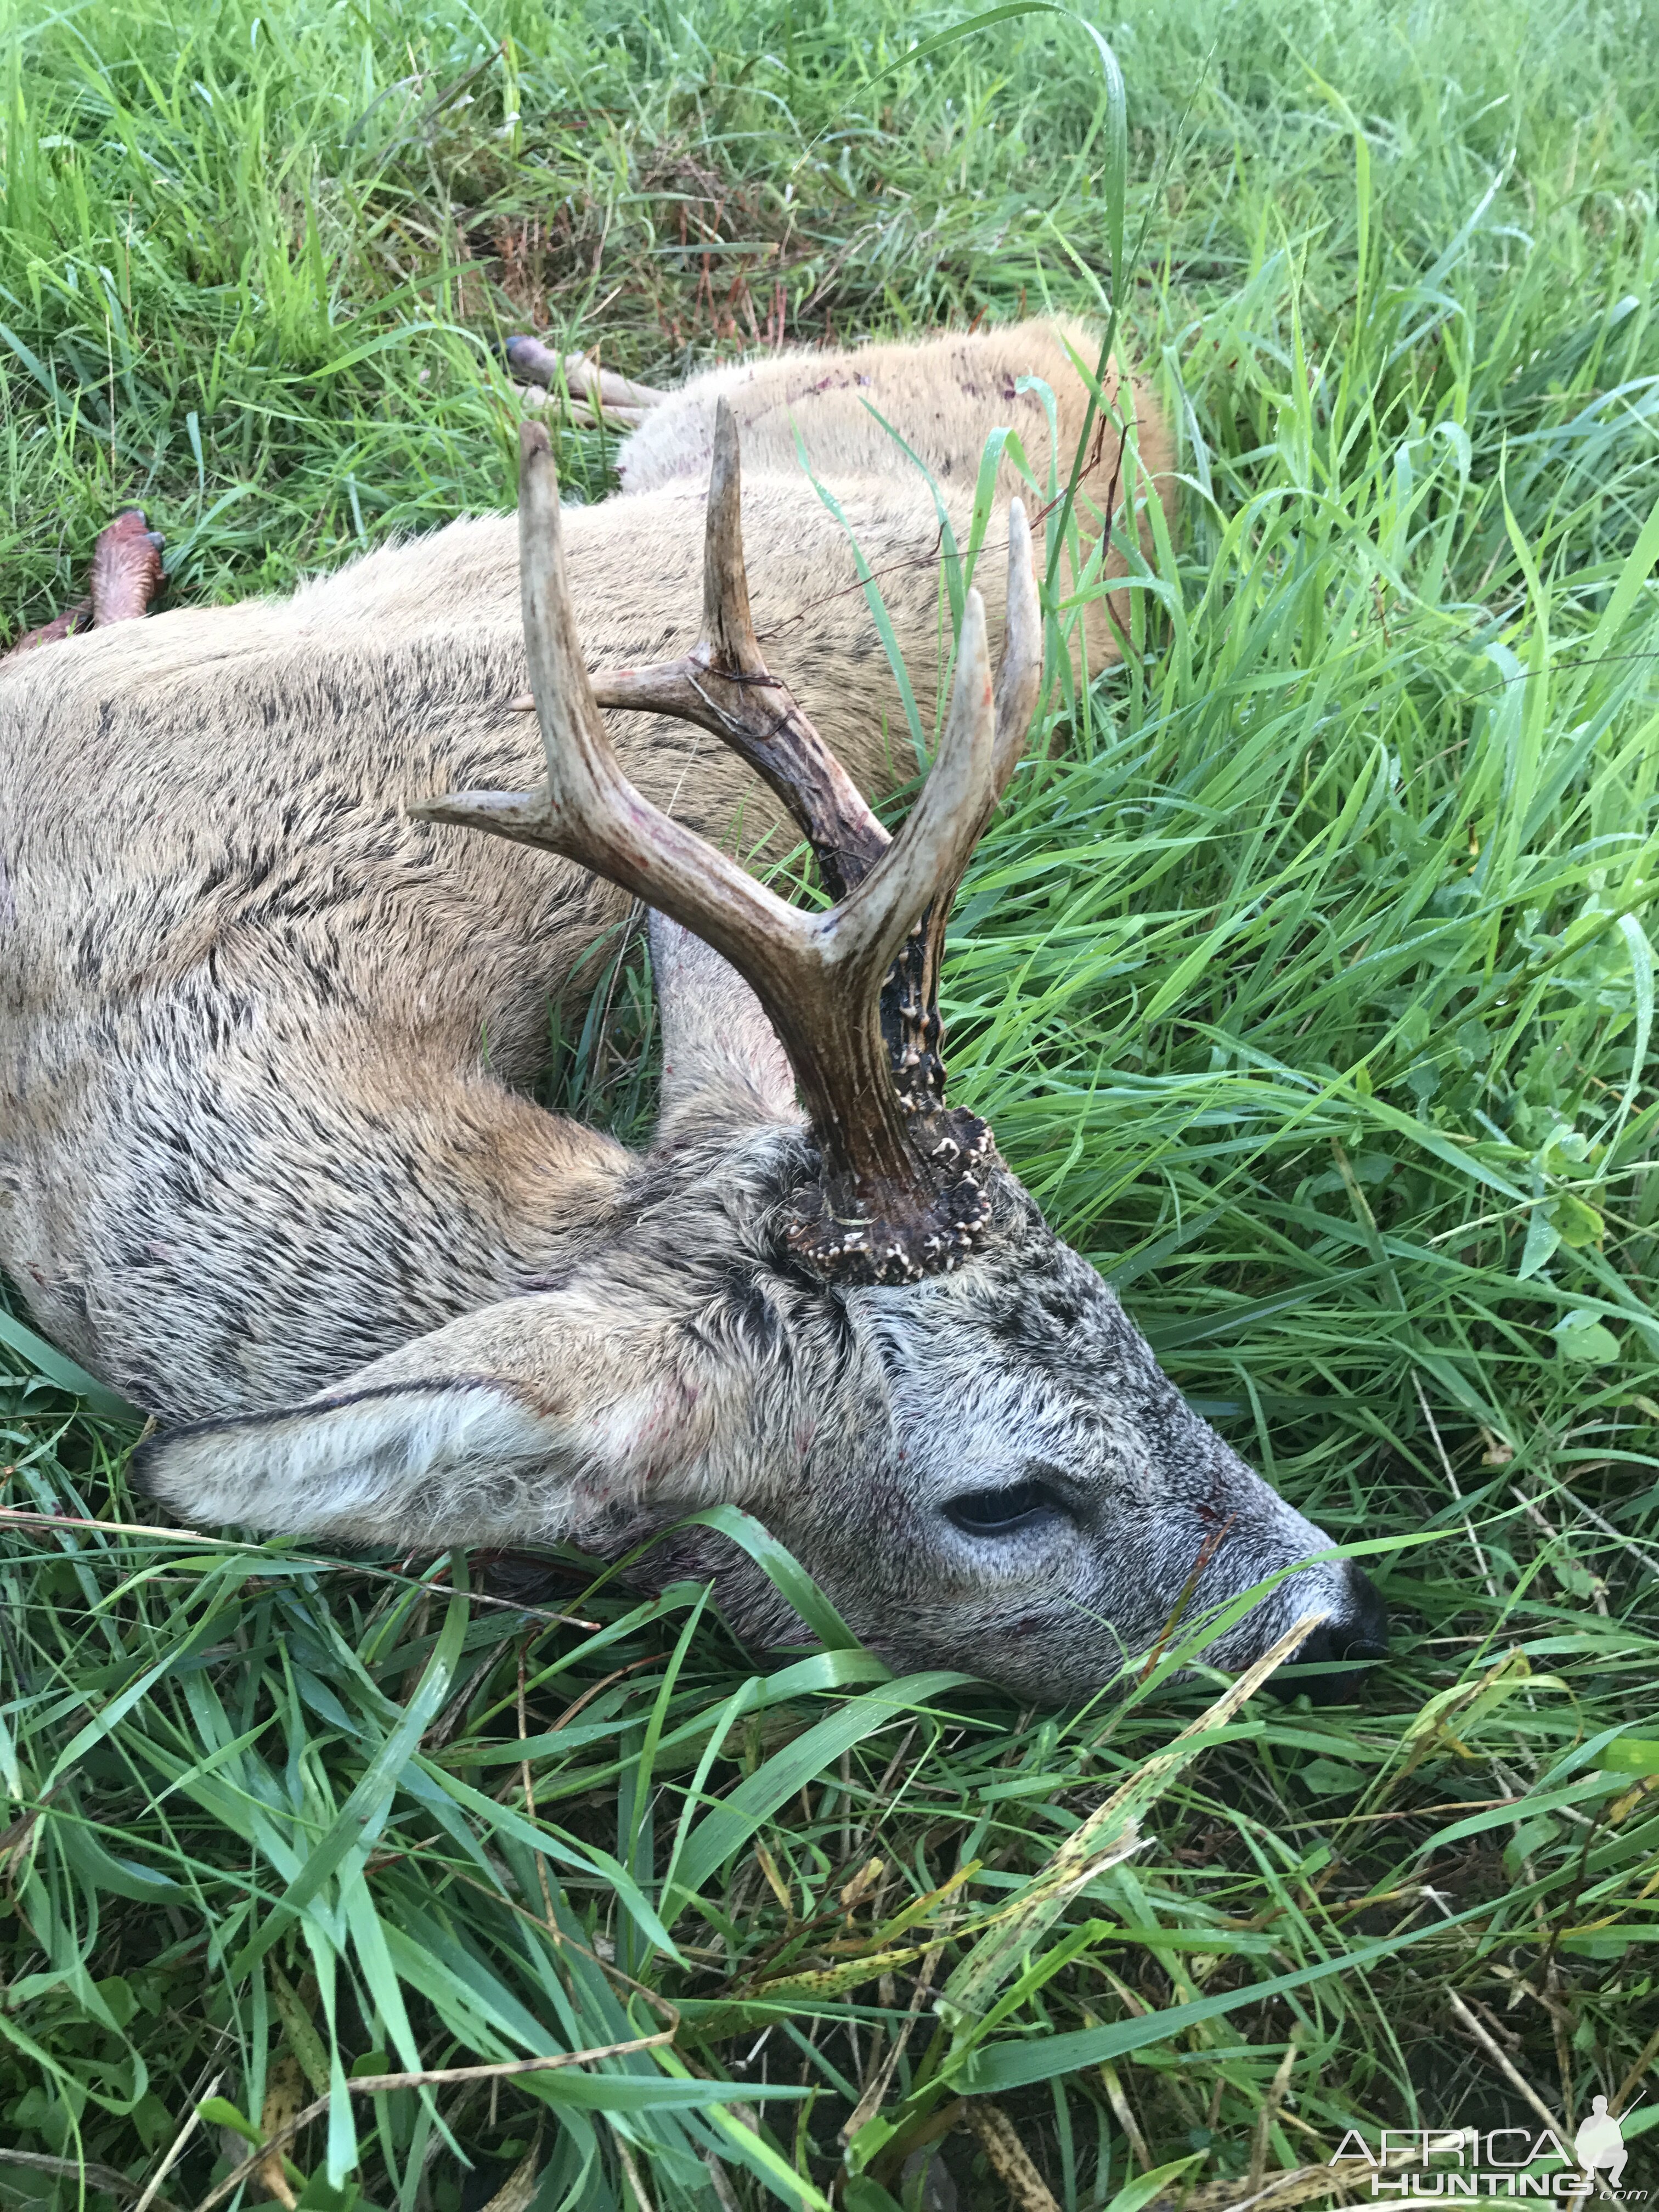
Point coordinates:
pixel 266 1160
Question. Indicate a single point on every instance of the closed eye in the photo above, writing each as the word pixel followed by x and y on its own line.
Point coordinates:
pixel 1000 1512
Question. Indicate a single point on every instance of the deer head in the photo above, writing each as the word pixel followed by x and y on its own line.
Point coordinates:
pixel 843 1313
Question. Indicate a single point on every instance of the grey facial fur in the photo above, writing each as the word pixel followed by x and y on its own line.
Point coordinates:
pixel 1019 1369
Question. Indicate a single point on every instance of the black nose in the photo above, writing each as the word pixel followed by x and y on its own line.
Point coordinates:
pixel 1330 1667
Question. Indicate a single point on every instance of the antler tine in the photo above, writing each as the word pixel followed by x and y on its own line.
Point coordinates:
pixel 724 685
pixel 1019 682
pixel 727 623
pixel 925 860
pixel 1019 677
pixel 580 760
pixel 588 809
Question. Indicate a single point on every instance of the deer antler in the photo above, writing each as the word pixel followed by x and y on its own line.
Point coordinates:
pixel 901 1191
pixel 724 685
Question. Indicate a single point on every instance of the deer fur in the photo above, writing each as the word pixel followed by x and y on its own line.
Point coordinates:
pixel 267 1161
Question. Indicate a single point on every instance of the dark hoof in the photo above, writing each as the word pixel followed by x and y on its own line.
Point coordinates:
pixel 532 362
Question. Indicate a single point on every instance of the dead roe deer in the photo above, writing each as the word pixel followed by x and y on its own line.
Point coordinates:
pixel 271 1009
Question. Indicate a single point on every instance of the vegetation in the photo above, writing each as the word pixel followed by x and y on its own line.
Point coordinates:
pixel 1308 979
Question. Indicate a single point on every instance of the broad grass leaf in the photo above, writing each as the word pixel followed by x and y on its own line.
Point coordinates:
pixel 1145 2186
pixel 1581 1336
pixel 1632 1754
pixel 1324 1778
pixel 988 2071
pixel 1543 1238
pixel 58 1367
pixel 781 1570
pixel 1539 1804
pixel 220 2112
pixel 878 614
pixel 101 1870
pixel 1638 566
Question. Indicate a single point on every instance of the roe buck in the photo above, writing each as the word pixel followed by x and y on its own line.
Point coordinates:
pixel 270 1007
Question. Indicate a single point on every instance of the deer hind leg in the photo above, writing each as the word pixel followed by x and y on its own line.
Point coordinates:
pixel 944 397
pixel 597 395
pixel 126 574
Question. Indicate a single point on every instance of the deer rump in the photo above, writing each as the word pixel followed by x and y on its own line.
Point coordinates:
pixel 266 1165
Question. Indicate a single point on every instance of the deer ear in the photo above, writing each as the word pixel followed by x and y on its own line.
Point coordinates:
pixel 522 1423
pixel 439 1460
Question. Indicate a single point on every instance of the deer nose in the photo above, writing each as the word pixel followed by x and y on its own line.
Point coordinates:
pixel 1331 1665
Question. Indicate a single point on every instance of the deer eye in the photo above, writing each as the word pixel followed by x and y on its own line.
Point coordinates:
pixel 1000 1512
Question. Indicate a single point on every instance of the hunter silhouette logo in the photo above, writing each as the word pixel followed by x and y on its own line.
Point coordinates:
pixel 1418 2163
pixel 1600 2142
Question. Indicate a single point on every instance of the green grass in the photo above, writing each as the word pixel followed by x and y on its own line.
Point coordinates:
pixel 1310 985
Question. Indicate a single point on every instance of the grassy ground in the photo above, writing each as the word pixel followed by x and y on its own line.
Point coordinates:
pixel 1310 986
